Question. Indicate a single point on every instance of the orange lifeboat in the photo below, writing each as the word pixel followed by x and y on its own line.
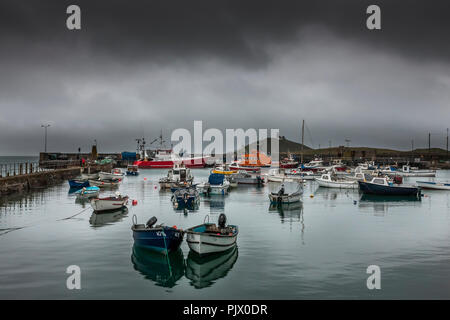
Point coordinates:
pixel 255 159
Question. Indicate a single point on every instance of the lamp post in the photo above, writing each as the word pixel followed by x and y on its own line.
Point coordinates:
pixel 45 126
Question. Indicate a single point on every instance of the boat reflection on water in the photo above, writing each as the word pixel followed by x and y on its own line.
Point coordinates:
pixel 101 219
pixel 164 270
pixel 82 201
pixel 216 204
pixel 334 193
pixel 290 212
pixel 204 271
pixel 381 204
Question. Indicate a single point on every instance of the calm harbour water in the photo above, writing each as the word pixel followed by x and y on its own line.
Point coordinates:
pixel 318 249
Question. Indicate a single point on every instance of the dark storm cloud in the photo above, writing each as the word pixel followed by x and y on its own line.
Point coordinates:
pixel 237 31
pixel 138 66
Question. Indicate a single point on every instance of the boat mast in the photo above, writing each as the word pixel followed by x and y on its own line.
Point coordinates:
pixel 303 139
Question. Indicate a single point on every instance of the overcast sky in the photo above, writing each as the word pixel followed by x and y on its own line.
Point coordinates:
pixel 137 67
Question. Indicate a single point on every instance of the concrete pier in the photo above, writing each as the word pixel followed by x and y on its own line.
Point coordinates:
pixel 42 179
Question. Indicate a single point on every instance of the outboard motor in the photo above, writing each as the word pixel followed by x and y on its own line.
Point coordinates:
pixel 151 222
pixel 222 220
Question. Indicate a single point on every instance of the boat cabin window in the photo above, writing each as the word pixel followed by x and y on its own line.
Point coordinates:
pixel 378 181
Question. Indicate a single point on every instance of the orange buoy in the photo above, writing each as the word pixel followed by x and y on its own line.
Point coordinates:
pixel 134 202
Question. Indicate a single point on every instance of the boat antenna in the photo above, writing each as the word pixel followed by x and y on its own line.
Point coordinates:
pixel 303 139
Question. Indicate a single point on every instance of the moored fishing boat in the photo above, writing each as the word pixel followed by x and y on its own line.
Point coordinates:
pixel 89 176
pixel 304 175
pixel 176 176
pixel 332 181
pixel 382 186
pixel 289 163
pixel 187 198
pixel 225 169
pixel 407 171
pixel 435 185
pixel 78 184
pixel 210 238
pixel 279 175
pixel 114 174
pixel 216 185
pixel 281 196
pixel 109 203
pixel 237 167
pixel 88 192
pixel 244 177
pixel 255 159
pixel 132 170
pixel 104 183
pixel 159 238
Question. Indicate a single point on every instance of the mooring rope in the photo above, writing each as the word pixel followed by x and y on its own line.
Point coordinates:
pixel 8 230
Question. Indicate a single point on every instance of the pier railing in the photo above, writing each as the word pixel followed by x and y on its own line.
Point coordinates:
pixel 23 168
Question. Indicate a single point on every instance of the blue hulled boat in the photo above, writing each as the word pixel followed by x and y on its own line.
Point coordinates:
pixel 132 170
pixel 156 237
pixel 381 186
pixel 78 184
pixel 186 198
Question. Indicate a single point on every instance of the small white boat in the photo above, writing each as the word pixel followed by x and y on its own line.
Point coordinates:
pixel 279 175
pixel 88 192
pixel 210 238
pixel 304 175
pixel 89 176
pixel 216 185
pixel 281 196
pixel 329 181
pixel 408 171
pixel 115 174
pixel 104 183
pixel 110 203
pixel 436 185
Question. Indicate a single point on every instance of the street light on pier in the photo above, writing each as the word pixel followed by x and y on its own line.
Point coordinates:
pixel 45 126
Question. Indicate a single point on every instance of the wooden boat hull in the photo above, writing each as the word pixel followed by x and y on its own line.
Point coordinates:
pixel 106 204
pixel 207 243
pixel 434 185
pixel 372 188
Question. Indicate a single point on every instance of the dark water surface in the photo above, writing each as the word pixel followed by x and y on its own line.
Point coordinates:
pixel 318 249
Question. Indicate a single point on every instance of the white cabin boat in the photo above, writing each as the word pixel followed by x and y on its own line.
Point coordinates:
pixel 217 184
pixel 178 174
pixel 331 181
pixel 407 171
